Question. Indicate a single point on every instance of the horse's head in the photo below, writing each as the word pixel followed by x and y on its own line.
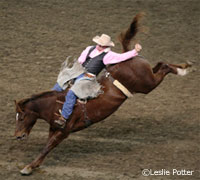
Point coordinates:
pixel 25 119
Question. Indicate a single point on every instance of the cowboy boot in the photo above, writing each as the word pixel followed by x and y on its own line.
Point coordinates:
pixel 61 121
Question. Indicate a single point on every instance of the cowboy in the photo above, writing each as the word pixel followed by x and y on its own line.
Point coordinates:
pixel 92 61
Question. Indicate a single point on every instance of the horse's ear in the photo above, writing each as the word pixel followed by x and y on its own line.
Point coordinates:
pixel 18 107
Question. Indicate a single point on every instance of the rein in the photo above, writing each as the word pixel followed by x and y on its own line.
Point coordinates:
pixel 87 120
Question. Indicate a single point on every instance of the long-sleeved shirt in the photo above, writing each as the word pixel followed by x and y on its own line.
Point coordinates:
pixel 110 58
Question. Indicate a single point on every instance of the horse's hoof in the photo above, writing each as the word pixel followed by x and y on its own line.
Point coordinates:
pixel 182 72
pixel 26 171
pixel 189 63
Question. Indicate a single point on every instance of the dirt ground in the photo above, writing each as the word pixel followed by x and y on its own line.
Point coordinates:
pixel 155 131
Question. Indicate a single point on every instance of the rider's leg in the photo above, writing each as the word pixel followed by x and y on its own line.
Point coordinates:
pixel 57 88
pixel 70 100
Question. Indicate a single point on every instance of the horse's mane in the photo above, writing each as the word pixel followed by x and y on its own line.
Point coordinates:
pixel 36 96
pixel 126 37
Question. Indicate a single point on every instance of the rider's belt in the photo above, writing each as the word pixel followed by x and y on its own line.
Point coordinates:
pixel 90 75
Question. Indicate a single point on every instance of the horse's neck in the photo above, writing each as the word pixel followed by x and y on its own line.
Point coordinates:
pixel 44 106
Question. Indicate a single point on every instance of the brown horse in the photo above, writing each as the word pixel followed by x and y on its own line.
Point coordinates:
pixel 135 74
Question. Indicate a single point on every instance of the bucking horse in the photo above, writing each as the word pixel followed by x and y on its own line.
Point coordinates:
pixel 118 82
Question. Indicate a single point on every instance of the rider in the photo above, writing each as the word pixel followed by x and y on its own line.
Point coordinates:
pixel 93 59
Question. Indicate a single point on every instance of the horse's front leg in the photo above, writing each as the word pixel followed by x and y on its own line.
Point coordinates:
pixel 53 141
pixel 51 132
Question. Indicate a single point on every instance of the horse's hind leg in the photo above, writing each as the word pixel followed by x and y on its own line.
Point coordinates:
pixel 182 69
pixel 182 65
pixel 179 69
pixel 55 139
pixel 160 71
pixel 157 67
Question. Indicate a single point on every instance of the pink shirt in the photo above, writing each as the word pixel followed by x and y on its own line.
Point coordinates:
pixel 110 58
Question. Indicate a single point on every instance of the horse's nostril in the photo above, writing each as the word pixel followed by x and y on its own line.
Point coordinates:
pixel 23 136
pixel 19 137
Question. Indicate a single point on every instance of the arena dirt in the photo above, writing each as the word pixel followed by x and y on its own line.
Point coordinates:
pixel 155 131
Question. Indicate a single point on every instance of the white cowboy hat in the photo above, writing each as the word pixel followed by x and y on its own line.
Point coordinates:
pixel 103 40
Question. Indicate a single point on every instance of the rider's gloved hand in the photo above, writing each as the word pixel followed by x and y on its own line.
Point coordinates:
pixel 138 47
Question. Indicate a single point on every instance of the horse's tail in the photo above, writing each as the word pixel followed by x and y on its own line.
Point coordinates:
pixel 126 37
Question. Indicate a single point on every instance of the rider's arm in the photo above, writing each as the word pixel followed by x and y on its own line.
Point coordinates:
pixel 83 55
pixel 113 57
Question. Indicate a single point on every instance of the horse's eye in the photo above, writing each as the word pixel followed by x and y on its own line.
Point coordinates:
pixel 19 117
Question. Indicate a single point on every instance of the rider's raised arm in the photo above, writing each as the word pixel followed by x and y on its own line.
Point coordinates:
pixel 113 57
